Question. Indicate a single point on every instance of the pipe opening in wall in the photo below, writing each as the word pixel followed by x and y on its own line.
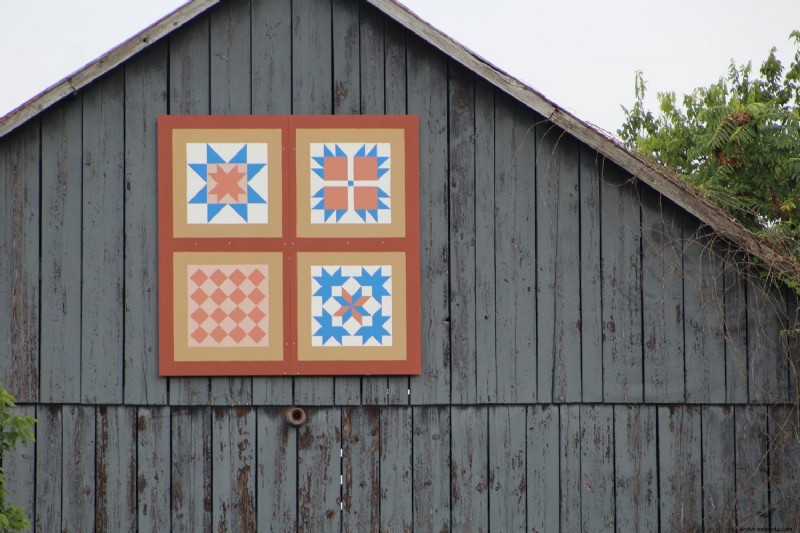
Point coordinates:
pixel 296 416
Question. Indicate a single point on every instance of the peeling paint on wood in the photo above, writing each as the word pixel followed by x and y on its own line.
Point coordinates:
pixel 544 283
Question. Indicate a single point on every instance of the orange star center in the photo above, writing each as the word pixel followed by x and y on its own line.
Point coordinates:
pixel 228 180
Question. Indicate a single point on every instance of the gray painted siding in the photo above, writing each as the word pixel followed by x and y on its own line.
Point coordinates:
pixel 592 358
pixel 550 275
pixel 475 468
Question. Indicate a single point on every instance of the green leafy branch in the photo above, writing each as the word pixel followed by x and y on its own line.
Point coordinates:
pixel 737 141
pixel 14 429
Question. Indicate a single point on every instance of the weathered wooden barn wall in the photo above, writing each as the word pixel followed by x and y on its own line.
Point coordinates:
pixel 591 358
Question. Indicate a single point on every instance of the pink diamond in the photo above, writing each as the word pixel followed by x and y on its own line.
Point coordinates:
pixel 199 296
pixel 199 316
pixel 237 277
pixel 198 277
pixel 256 276
pixel 238 334
pixel 199 334
pixel 237 315
pixel 218 296
pixel 256 296
pixel 218 277
pixel 219 315
pixel 237 296
pixel 218 334
pixel 257 334
pixel 256 315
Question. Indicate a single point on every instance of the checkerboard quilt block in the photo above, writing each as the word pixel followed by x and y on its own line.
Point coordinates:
pixel 350 183
pixel 228 305
pixel 351 305
pixel 226 183
pixel 288 245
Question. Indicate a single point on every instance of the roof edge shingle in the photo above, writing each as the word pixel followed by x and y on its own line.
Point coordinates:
pixel 96 68
pixel 671 185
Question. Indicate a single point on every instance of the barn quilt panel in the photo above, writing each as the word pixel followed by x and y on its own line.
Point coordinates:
pixel 289 245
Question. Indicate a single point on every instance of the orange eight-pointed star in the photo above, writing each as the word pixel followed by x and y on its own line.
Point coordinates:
pixel 228 180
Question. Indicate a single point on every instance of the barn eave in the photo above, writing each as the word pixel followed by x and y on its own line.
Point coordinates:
pixel 669 184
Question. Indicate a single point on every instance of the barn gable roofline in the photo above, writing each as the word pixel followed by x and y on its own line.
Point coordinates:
pixel 108 61
pixel 659 178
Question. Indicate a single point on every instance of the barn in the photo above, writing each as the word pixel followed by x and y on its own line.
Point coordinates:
pixel 600 347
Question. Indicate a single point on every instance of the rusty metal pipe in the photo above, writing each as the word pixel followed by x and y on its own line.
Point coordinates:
pixel 296 416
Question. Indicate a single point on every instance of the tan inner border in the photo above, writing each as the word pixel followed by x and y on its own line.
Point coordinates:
pixel 273 137
pixel 307 352
pixel 180 289
pixel 395 137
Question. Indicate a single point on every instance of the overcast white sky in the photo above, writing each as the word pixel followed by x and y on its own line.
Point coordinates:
pixel 582 54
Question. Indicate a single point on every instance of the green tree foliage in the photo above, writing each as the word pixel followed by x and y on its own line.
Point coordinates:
pixel 737 141
pixel 14 429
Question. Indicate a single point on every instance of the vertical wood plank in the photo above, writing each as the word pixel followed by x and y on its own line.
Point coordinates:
pixel 485 280
pixel 271 37
pixel 719 475
pixel 19 468
pixel 233 469
pixel 361 469
pixel 736 366
pixel 78 474
pixel 319 471
pixel 570 467
pixel 396 471
pixel 636 467
pixel 591 276
pixel 507 468
pixel 49 468
pixel 469 488
pixel 189 68
pixel 621 287
pixel 462 234
pixel 145 99
pixel 312 58
pixel 558 281
pixel 395 101
pixel 189 94
pixel 153 469
pixel 190 493
pixel 276 475
pixel 752 467
pixel 272 94
pixel 19 268
pixel 345 34
pixel 115 499
pixel 230 94
pixel 768 362
pixel 597 468
pixel 376 67
pixel 60 360
pixel 784 461
pixel 230 58
pixel 662 299
pixel 792 341
pixel 514 371
pixel 427 97
pixel 372 61
pixel 704 318
pixel 543 468
pixel 431 449
pixel 680 468
pixel 103 240
pixel 346 101
pixel 312 93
